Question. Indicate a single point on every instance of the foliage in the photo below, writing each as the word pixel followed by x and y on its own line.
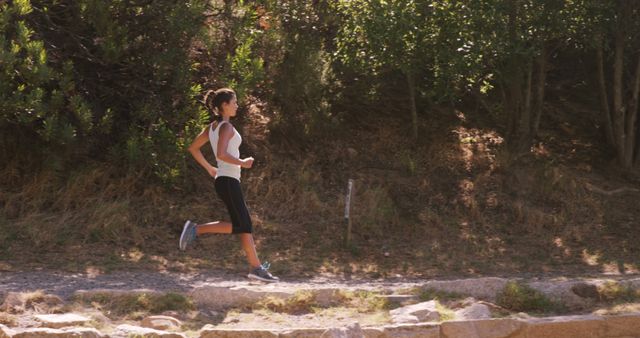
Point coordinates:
pixel 102 79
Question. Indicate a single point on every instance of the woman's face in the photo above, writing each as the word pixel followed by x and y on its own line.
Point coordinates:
pixel 230 108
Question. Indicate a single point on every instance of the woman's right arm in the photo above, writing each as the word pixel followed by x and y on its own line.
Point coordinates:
pixel 194 149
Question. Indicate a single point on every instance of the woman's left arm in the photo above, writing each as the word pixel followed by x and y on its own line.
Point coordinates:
pixel 195 151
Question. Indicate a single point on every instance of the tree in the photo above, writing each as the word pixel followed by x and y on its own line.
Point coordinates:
pixel 112 79
pixel 377 36
pixel 511 41
pixel 617 52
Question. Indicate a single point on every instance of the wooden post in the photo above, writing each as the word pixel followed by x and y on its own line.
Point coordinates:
pixel 347 206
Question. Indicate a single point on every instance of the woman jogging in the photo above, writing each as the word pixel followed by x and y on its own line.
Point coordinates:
pixel 225 140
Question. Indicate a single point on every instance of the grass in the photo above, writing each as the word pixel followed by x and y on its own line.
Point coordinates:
pixel 138 305
pixel 618 293
pixel 366 306
pixel 36 301
pixel 433 294
pixel 300 303
pixel 411 213
pixel 306 301
pixel 520 297
pixel 445 312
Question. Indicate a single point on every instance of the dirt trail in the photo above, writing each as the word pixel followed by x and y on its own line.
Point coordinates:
pixel 65 284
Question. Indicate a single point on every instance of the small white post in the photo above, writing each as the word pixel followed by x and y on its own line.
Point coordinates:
pixel 347 207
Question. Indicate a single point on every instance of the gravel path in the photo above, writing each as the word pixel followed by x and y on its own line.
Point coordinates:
pixel 64 284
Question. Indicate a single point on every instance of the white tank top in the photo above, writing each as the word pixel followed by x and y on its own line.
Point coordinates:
pixel 233 149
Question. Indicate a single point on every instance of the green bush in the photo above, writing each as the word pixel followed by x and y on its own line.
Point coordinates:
pixel 97 79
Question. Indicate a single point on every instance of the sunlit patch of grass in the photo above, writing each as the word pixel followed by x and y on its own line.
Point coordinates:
pixel 615 292
pixel 137 305
pixel 365 301
pixel 445 312
pixel 618 309
pixel 301 302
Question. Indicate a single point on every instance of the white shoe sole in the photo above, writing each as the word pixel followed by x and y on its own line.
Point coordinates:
pixel 184 233
pixel 256 277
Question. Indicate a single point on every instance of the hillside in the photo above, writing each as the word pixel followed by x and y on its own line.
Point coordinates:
pixel 451 204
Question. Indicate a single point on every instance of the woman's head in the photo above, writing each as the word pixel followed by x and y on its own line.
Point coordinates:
pixel 221 102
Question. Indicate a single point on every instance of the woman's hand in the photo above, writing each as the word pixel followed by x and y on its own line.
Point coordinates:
pixel 247 162
pixel 212 171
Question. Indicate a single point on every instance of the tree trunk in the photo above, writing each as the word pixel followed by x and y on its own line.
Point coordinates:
pixel 525 112
pixel 518 85
pixel 538 101
pixel 632 127
pixel 412 102
pixel 512 80
pixel 604 98
pixel 618 105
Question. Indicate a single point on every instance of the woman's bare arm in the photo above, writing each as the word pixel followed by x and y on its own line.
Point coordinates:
pixel 195 151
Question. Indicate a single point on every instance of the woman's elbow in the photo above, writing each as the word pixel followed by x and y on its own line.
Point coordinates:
pixel 192 149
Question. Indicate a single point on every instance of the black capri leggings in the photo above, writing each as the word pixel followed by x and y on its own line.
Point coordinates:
pixel 228 188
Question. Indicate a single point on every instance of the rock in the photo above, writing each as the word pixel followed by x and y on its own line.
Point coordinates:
pixel 208 331
pixel 19 302
pixel 137 331
pixel 494 328
pixel 404 319
pixel 99 317
pixel 585 290
pixel 161 323
pixel 421 312
pixel 474 311
pixel 422 330
pixel 216 297
pixel 327 297
pixel 373 332
pixel 561 292
pixel 174 314
pixel 5 332
pixel 459 304
pixel 12 303
pixel 57 321
pixel 627 325
pixel 350 331
pixel 45 332
pixel 566 326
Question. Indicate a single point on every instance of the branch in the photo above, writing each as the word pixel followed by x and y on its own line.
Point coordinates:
pixel 593 188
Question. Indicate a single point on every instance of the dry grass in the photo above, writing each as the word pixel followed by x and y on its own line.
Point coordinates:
pixel 136 306
pixel 300 303
pixel 303 302
pixel 7 319
pixel 33 302
pixel 615 292
pixel 455 203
